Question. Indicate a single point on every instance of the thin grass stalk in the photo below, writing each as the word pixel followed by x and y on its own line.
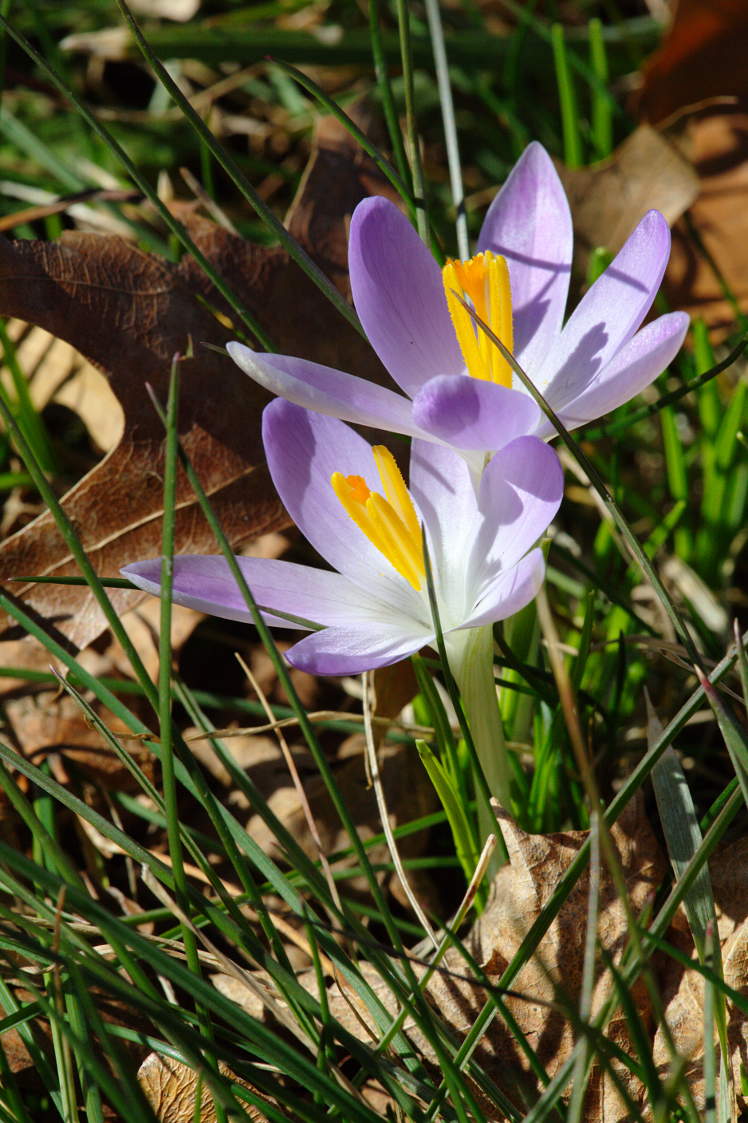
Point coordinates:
pixel 599 485
pixel 683 837
pixel 385 92
pixel 299 787
pixel 29 418
pixel 61 1046
pixel 411 133
pixel 232 169
pixel 578 1081
pixel 252 325
pixel 297 858
pixel 168 778
pixel 38 1056
pixel 223 832
pixel 597 836
pixel 376 782
pixel 742 662
pixel 711 1100
pixel 188 842
pixel 682 834
pixel 443 735
pixel 450 939
pixel 436 31
pixel 72 1009
pixel 162 965
pixel 178 1024
pixel 638 1030
pixel 733 735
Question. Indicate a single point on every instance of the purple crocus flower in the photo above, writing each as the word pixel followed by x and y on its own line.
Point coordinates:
pixel 518 283
pixel 373 607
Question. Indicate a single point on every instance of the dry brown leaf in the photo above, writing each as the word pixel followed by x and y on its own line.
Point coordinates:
pixel 608 200
pixel 702 56
pixel 48 723
pixel 518 893
pixel 172 1088
pixel 408 795
pixel 129 312
pixel 717 143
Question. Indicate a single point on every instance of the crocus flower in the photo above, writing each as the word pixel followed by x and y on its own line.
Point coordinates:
pixel 518 284
pixel 373 607
pixel 351 503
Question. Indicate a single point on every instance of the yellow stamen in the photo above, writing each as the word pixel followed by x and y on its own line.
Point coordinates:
pixel 390 523
pixel 484 282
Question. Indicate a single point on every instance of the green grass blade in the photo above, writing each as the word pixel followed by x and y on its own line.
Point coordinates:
pixel 436 31
pixel 412 144
pixel 567 99
pixel 601 114
pixel 385 93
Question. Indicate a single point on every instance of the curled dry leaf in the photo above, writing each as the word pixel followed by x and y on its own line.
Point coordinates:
pixel 129 312
pixel 608 199
pixel 173 1088
pixel 48 724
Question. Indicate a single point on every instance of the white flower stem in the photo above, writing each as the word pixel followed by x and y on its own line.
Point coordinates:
pixel 470 654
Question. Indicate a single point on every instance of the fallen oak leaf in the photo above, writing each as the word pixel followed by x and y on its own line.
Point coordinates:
pixel 129 312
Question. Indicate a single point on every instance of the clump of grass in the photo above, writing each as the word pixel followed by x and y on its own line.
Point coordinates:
pixel 570 678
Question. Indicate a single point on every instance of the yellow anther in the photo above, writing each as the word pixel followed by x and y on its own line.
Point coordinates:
pixel 484 282
pixel 389 522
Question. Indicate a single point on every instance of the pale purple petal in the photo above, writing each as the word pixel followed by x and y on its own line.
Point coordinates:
pixel 303 450
pixel 471 414
pixel 609 313
pixel 520 492
pixel 326 390
pixel 351 650
pixel 529 223
pixel 398 292
pixel 205 582
pixel 635 366
pixel 510 591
